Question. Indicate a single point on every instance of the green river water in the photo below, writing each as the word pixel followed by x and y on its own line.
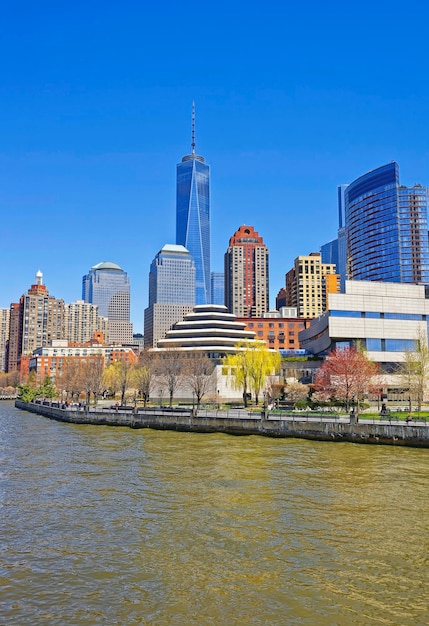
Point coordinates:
pixel 104 525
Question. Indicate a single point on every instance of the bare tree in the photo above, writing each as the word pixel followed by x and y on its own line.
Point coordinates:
pixel 275 391
pixel 170 370
pixel 3 380
pixel 296 391
pixel 92 371
pixel 69 378
pixel 10 379
pixel 9 383
pixel 198 375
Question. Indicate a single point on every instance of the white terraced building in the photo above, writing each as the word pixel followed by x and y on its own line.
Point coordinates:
pixel 210 330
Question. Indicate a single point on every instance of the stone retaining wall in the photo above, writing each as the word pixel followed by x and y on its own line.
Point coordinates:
pixel 244 424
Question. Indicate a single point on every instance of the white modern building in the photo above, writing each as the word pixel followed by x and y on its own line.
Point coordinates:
pixel 209 329
pixel 386 319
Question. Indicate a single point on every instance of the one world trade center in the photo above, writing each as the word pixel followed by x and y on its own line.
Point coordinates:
pixel 193 215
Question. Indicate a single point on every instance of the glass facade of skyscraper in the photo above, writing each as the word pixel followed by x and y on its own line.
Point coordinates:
pixel 386 228
pixel 217 288
pixel 108 286
pixel 172 277
pixel 413 226
pixel 171 292
pixel 193 219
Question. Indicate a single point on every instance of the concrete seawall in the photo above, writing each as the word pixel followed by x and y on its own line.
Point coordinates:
pixel 242 423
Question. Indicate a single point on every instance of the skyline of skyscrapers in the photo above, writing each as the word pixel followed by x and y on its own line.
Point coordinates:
pixel 382 236
pixel 247 274
pixel 107 285
pixel 171 291
pixel 193 215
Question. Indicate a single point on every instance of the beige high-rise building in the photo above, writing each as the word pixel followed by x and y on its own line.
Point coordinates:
pixel 309 283
pixel 246 274
pixel 82 322
pixel 4 337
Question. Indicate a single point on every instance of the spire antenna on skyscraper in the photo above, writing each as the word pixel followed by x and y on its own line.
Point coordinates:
pixel 193 129
pixel 193 215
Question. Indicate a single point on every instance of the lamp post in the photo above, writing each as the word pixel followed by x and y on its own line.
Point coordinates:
pixel 353 417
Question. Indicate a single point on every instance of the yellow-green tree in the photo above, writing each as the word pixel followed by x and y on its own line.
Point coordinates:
pixel 118 376
pixel 415 370
pixel 144 374
pixel 250 366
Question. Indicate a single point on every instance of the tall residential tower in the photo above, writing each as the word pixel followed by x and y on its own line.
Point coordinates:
pixel 193 215
pixel 309 283
pixel 246 274
pixel 34 322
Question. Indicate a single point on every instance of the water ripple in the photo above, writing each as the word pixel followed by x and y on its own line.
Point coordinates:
pixel 105 525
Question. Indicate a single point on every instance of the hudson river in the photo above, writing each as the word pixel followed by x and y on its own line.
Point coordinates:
pixel 113 526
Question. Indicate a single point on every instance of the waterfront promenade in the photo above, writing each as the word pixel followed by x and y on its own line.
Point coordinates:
pixel 243 422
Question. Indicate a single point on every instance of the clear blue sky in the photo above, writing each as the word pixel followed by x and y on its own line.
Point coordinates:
pixel 292 100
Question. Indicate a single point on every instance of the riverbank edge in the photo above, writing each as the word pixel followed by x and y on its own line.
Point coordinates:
pixel 243 424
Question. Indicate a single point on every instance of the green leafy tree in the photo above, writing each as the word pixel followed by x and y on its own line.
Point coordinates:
pixel 26 392
pixel 47 388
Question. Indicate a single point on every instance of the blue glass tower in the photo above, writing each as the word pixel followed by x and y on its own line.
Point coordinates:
pixel 386 228
pixel 171 292
pixel 217 288
pixel 108 286
pixel 193 215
